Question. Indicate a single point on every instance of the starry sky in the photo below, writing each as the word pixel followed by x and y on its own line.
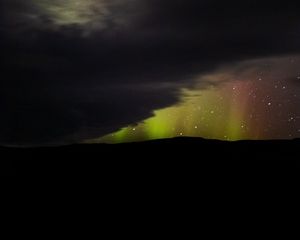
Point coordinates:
pixel 128 70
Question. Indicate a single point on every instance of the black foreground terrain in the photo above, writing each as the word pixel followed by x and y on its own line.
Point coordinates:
pixel 175 156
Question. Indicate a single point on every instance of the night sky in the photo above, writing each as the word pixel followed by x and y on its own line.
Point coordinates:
pixel 125 70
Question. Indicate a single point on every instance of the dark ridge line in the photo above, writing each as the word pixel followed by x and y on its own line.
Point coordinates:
pixel 167 141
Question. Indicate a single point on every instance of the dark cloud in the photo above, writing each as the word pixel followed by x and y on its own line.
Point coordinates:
pixel 67 82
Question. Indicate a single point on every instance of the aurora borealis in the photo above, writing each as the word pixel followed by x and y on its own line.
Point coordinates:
pixel 252 103
pixel 92 71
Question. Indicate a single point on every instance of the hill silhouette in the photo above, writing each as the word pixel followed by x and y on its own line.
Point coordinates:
pixel 184 153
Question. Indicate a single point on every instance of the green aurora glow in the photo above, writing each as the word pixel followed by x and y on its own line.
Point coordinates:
pixel 245 102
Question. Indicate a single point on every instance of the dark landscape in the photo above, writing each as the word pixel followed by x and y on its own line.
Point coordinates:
pixel 177 156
